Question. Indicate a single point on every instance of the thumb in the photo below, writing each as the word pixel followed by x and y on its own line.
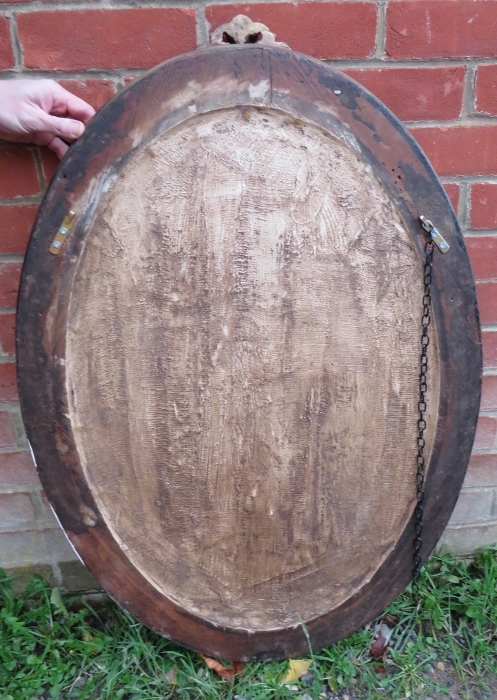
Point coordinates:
pixel 67 129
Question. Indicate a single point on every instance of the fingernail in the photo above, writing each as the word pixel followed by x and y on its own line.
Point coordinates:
pixel 77 130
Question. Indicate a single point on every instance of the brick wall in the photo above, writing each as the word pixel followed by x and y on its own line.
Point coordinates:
pixel 433 62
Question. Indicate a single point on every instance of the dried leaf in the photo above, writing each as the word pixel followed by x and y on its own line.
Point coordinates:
pixel 390 619
pixel 171 676
pixel 226 673
pixel 385 631
pixel 238 666
pixel 380 646
pixel 57 602
pixel 296 669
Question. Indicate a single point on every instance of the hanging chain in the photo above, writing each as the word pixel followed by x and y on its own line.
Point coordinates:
pixel 423 388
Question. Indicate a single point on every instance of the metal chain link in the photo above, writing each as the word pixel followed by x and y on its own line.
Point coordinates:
pixel 423 388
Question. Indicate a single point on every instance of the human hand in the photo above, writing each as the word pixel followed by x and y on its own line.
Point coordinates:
pixel 41 112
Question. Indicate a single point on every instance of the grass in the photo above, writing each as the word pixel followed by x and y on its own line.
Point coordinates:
pixel 447 639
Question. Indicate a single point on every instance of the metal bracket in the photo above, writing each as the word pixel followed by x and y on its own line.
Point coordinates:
pixel 435 235
pixel 61 234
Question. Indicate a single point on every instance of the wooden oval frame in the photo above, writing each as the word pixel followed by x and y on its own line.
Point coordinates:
pixel 211 79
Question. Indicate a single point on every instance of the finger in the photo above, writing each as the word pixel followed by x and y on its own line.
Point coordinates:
pixel 67 129
pixel 67 103
pixel 44 138
pixel 58 146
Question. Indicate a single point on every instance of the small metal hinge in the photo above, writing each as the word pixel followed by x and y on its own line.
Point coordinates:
pixel 61 234
pixel 435 235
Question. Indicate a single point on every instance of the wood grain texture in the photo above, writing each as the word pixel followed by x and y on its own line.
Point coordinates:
pixel 229 349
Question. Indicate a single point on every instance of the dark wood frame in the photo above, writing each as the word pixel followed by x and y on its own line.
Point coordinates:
pixel 314 92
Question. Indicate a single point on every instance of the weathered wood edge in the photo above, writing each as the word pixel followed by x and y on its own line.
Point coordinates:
pixel 455 310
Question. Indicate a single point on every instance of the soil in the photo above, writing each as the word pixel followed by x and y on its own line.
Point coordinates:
pixel 450 687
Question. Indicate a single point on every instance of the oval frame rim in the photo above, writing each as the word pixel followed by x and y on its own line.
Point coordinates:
pixel 282 68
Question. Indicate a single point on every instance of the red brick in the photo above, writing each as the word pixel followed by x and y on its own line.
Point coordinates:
pixel 453 192
pixel 489 343
pixel 482 471
pixel 7 333
pixel 441 28
pixel 7 436
pixel 16 510
pixel 416 93
pixel 8 382
pixel 489 393
pixel 17 469
pixel 460 150
pixel 10 275
pixel 49 164
pixel 95 92
pixel 320 29
pixel 487 301
pixel 6 52
pixel 486 89
pixel 484 205
pixel 486 432
pixel 120 38
pixel 18 176
pixel 16 223
pixel 483 255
